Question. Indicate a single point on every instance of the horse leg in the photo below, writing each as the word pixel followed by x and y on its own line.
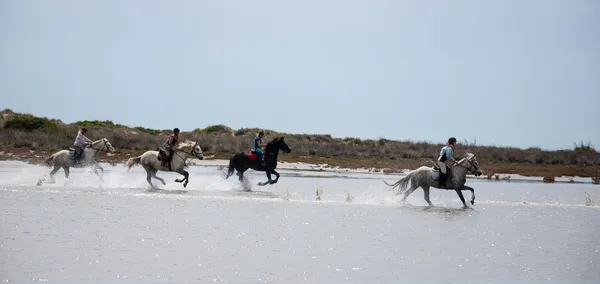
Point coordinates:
pixel 269 180
pixel 185 179
pixel 409 191
pixel 149 178
pixel 472 193
pixel 53 172
pixel 276 177
pixel 51 178
pixel 462 198
pixel 426 193
pixel 156 177
pixel 67 172
pixel 95 170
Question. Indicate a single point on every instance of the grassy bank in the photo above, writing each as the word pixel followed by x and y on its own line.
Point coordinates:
pixel 28 137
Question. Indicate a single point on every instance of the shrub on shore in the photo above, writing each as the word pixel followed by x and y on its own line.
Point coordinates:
pixel 28 131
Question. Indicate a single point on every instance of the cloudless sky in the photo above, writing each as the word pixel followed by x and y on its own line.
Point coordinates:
pixel 506 72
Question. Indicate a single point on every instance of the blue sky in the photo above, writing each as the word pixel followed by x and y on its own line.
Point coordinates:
pixel 508 73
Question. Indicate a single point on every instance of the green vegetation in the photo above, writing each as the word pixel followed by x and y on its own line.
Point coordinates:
pixel 584 146
pixel 29 122
pixel 27 131
pixel 214 129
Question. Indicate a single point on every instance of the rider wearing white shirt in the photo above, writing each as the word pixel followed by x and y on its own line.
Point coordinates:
pixel 81 142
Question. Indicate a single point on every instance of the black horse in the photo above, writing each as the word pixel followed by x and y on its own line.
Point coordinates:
pixel 242 161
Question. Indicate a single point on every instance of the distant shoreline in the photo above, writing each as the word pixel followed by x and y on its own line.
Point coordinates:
pixel 29 138
pixel 294 164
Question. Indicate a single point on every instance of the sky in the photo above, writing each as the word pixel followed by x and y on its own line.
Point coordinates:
pixel 504 72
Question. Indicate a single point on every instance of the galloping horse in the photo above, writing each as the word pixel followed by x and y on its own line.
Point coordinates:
pixel 426 177
pixel 149 160
pixel 65 159
pixel 242 161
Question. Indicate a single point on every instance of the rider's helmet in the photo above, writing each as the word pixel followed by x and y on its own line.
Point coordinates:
pixel 83 129
pixel 176 130
pixel 260 133
pixel 452 140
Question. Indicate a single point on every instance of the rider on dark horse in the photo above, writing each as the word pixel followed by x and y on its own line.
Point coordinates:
pixel 80 143
pixel 259 147
pixel 166 151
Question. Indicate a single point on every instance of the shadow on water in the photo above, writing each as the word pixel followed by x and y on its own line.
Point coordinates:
pixel 442 209
pixel 257 193
pixel 170 191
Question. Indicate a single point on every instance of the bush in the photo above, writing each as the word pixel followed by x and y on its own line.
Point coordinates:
pixel 48 134
pixel 31 123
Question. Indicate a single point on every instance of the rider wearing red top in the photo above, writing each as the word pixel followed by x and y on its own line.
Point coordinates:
pixel 169 144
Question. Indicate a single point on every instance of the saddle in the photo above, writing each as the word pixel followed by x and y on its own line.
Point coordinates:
pixel 72 156
pixel 253 155
pixel 163 158
pixel 437 169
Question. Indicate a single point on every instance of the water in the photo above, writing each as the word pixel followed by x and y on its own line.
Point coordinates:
pixel 212 232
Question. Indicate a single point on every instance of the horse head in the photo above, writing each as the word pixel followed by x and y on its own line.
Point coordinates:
pixel 278 144
pixel 102 144
pixel 191 148
pixel 472 164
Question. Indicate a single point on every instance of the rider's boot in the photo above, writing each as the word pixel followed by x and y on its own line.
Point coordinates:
pixel 443 179
pixel 169 159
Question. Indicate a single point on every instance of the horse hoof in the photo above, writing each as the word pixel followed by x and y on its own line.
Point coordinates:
pixel 472 202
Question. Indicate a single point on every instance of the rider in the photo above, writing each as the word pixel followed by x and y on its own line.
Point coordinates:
pixel 259 147
pixel 169 144
pixel 80 143
pixel 446 160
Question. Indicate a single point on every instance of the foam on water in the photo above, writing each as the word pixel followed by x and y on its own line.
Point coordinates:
pixel 206 183
pixel 92 232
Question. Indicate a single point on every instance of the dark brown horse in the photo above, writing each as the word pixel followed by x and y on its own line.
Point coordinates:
pixel 241 162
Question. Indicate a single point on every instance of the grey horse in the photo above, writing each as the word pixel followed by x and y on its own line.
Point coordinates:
pixel 64 159
pixel 149 160
pixel 426 177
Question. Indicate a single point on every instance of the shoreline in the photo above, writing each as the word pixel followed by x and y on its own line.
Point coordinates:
pixel 296 164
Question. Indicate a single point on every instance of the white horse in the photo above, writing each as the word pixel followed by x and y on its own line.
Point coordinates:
pixel 149 160
pixel 65 159
pixel 426 177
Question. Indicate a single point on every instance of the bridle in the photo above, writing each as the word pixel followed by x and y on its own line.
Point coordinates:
pixel 270 151
pixel 191 153
pixel 104 146
pixel 471 165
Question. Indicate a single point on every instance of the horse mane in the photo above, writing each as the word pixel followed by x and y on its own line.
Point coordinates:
pixel 275 140
pixel 186 144
pixel 468 156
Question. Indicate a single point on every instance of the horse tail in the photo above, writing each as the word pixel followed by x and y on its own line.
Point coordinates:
pixel 231 167
pixel 133 161
pixel 402 183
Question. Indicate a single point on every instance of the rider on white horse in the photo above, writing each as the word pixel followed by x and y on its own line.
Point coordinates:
pixel 80 143
pixel 446 160
pixel 167 147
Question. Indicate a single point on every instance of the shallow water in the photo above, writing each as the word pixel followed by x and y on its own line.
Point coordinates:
pixel 120 231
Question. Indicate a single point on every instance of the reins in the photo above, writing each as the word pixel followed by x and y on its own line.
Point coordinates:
pixel 471 165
